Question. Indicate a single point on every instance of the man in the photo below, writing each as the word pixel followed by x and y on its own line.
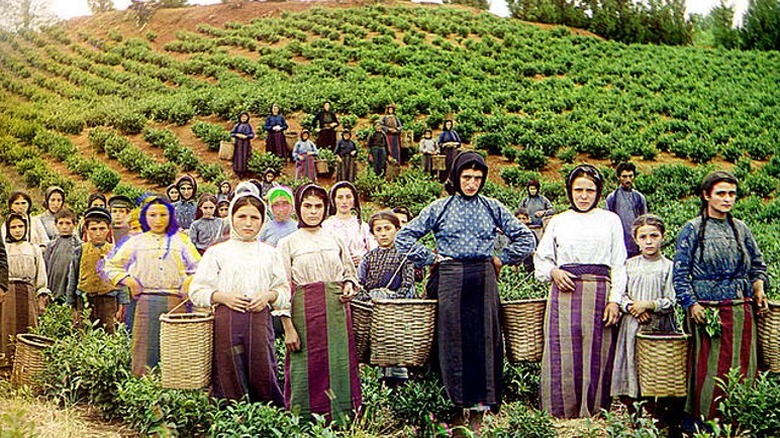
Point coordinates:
pixel 627 203
pixel 464 278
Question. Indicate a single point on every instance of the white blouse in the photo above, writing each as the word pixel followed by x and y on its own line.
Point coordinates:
pixel 595 237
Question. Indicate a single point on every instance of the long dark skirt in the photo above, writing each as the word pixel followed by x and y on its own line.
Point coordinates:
pixel 712 358
pixel 326 139
pixel 104 310
pixel 449 153
pixel 379 158
pixel 322 378
pixel 18 313
pixel 241 155
pixel 306 169
pixel 145 349
pixel 244 357
pixel 347 168
pixel 276 144
pixel 471 354
pixel 394 144
pixel 578 350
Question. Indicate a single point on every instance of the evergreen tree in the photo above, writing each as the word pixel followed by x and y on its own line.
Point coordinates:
pixel 721 20
pixel 100 6
pixel 762 25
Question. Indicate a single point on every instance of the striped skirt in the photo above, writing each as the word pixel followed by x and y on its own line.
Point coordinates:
pixel 18 313
pixel 145 348
pixel 471 354
pixel 244 357
pixel 712 358
pixel 578 349
pixel 322 378
pixel 306 169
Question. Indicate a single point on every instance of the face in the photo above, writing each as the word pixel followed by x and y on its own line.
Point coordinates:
pixel 97 232
pixel 282 209
pixel 326 106
pixel 20 206
pixel 532 190
pixel 173 194
pixel 344 200
pixel 269 177
pixel 384 232
pixel 243 118
pixel 402 218
pixel 222 210
pixel 305 136
pixel 247 221
pixel 447 125
pixel 16 229
pixel 275 110
pixel 65 226
pixel 312 210
pixel 721 199
pixel 225 188
pixel 186 191
pixel 55 202
pixel 378 128
pixel 390 110
pixel 208 209
pixel 626 179
pixel 583 193
pixel 119 215
pixel 524 218
pixel 470 181
pixel 428 134
pixel 157 217
pixel 98 203
pixel 649 239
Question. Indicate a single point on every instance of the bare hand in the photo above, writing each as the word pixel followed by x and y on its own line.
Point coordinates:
pixel 347 291
pixel 697 313
pixel 497 265
pixel 539 213
pixel 43 301
pixel 120 314
pixel 236 302
pixel 563 279
pixel 759 297
pixel 261 301
pixel 291 339
pixel 3 293
pixel 642 317
pixel 638 307
pixel 611 314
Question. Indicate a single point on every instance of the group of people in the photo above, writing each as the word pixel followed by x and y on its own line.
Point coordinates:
pixel 243 252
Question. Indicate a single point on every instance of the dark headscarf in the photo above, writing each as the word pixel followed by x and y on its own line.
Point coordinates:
pixel 168 192
pixel 14 216
pixel 465 160
pixel 304 191
pixel 50 191
pixel 95 196
pixel 191 180
pixel 591 173
pixel 351 187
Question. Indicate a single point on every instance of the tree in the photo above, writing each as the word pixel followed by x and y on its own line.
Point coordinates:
pixel 762 25
pixel 479 4
pixel 25 15
pixel 721 20
pixel 100 6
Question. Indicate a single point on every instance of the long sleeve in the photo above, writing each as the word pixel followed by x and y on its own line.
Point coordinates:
pixel 205 281
pixel 758 269
pixel 683 261
pixel 41 279
pixel 3 267
pixel 362 272
pixel 665 304
pixel 38 234
pixel 548 207
pixel 115 268
pixel 349 273
pixel 521 240
pixel 407 237
pixel 617 262
pixel 544 258
pixel 73 277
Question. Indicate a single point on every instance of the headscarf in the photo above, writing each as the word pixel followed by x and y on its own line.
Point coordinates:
pixel 173 226
pixel 465 160
pixel 591 173
pixel 351 187
pixel 280 192
pixel 14 216
pixel 168 192
pixel 306 190
pixel 267 171
pixel 95 196
pixel 191 180
pixel 233 233
pixel 50 191
pixel 219 187
pixel 243 113
pixel 247 186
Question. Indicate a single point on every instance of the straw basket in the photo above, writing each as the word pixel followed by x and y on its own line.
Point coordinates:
pixel 523 326
pixel 662 364
pixel 322 167
pixel 402 332
pixel 226 149
pixel 361 327
pixel 769 337
pixel 186 347
pixel 439 162
pixel 28 359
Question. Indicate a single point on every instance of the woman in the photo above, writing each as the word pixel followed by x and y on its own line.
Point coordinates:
pixel 326 127
pixel 303 155
pixel 345 222
pixel 20 203
pixel 53 201
pixel 538 207
pixel 275 125
pixel 242 133
pixel 583 255
pixel 173 193
pixel 244 354
pixel 718 265
pixel 321 375
pixel 391 126
pixel 449 143
pixel 346 153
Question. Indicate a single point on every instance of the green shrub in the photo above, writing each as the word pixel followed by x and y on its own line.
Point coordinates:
pixel 34 171
pixel 115 144
pixel 567 155
pixel 413 188
pixel 55 322
pixel 211 172
pixel 510 153
pixel 128 122
pixel 161 138
pixel 759 184
pixel 421 401
pixel 259 162
pixel 518 177
pixel 133 159
pixel 127 190
pixel 751 405
pixel 368 184
pixel 241 418
pixel 531 159
pixel 211 134
pixel 619 155
pixel 161 174
pixel 98 138
pixel 492 142
pixel 105 178
pixel 516 284
pixel 330 158
pixel 81 166
pixel 521 421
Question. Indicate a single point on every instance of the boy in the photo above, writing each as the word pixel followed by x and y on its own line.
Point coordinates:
pixel 59 253
pixel 86 287
pixel 120 207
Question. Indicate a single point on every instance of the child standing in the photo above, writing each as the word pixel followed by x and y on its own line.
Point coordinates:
pixel 20 203
pixel 156 266
pixel 60 252
pixel 346 151
pixel 205 229
pixel 647 304
pixel 303 154
pixel 243 277
pixel 86 287
pixel 223 207
pixel 120 207
pixel 428 148
pixel 269 182
pixel 225 191
pixel 187 205
pixel 26 295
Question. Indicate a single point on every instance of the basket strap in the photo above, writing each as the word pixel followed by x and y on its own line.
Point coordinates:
pixel 178 305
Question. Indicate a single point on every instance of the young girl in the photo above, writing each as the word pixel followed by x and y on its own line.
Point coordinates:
pixel 225 190
pixel 647 303
pixel 303 155
pixel 187 207
pixel 428 148
pixel 205 230
pixel 53 201
pixel 321 366
pixel 156 266
pixel 21 204
pixel 346 151
pixel 243 277
pixel 381 264
pixel 269 177
pixel 26 282
pixel 346 224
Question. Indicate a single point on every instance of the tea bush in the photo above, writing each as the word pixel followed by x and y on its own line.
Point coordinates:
pixel 211 134
pixel 105 178
pixel 531 159
pixel 520 421
pixel 260 162
pixel 413 188
pixel 161 174
pixel 752 406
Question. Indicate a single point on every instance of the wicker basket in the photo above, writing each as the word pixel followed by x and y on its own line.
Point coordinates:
pixel 439 162
pixel 523 325
pixel 662 364
pixel 402 332
pixel 186 348
pixel 769 337
pixel 28 359
pixel 322 167
pixel 361 327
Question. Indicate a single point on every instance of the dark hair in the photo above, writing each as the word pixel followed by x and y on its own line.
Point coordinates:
pixel 648 219
pixel 243 113
pixel 65 213
pixel 20 194
pixel 173 226
pixel 171 188
pixel 707 184
pixel 50 191
pixel 522 210
pixel 427 131
pixel 248 200
pixel 305 191
pixel 444 125
pixel 625 167
pixel 94 197
pixel 386 215
pixel 206 197
pixel 11 217
pixel 402 209
pixel 584 171
pixel 355 196
pixel 89 219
